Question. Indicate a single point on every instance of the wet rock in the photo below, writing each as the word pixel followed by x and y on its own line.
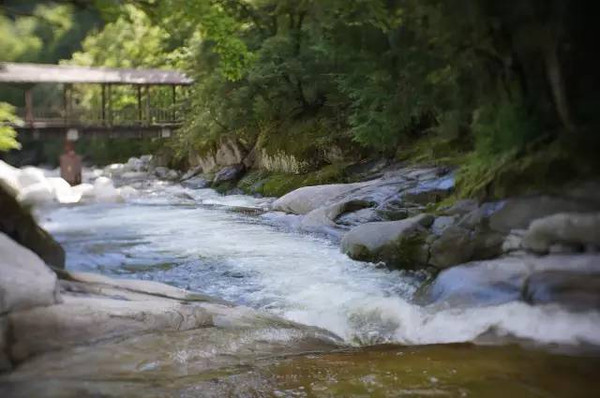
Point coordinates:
pixel 326 216
pixel 20 226
pixel 513 241
pixel 431 191
pixel 195 183
pixel 461 207
pixel 306 199
pixel 574 290
pixel 358 217
pixel 565 229
pixel 454 246
pixel 193 172
pixel 229 173
pixel 442 223
pixel 86 320
pixel 518 213
pixel 398 243
pixel 501 280
pixel 25 281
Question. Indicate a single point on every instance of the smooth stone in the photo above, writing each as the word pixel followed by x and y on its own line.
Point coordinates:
pixel 306 199
pixel 454 246
pixel 25 281
pixel 398 243
pixel 563 228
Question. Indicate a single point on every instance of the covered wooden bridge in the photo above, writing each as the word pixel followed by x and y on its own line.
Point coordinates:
pixel 142 120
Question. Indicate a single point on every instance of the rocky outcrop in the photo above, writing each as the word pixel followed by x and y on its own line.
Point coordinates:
pixel 398 243
pixel 101 327
pixel 227 153
pixel 18 223
pixel 579 229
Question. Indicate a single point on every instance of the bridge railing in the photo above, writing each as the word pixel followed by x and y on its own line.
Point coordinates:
pixel 95 117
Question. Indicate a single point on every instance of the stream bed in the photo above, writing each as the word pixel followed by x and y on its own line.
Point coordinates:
pixel 230 248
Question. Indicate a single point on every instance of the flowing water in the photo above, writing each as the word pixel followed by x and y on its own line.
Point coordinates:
pixel 220 246
pixel 228 247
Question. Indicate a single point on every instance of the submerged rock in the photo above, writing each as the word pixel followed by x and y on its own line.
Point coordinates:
pixel 196 183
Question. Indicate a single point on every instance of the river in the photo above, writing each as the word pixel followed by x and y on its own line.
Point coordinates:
pixel 229 247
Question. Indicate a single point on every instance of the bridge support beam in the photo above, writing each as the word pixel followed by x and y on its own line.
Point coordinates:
pixel 103 116
pixel 29 105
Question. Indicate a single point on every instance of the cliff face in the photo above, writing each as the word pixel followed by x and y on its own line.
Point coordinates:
pixel 19 224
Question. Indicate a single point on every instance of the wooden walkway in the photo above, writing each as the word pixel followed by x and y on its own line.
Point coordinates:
pixel 141 120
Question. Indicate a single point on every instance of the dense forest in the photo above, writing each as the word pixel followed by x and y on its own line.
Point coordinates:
pixel 505 90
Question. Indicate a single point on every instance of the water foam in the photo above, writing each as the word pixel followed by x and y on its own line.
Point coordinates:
pixel 167 234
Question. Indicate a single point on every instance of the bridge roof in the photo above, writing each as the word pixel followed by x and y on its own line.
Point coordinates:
pixel 43 73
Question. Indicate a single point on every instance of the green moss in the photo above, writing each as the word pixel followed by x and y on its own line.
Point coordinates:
pixel 435 151
pixel 278 184
pixel 533 170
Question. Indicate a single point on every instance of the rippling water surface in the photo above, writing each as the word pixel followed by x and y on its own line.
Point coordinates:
pixel 223 246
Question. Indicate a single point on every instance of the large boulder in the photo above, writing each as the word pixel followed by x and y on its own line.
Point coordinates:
pixel 306 199
pixel 19 225
pixel 398 243
pixel 25 281
pixel 518 213
pixel 564 228
pixel 455 246
pixel 528 278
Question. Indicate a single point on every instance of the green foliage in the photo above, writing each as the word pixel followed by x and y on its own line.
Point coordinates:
pixel 501 127
pixel 7 133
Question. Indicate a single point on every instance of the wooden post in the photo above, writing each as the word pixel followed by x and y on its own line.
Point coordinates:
pixel 103 104
pixel 139 104
pixel 110 105
pixel 29 105
pixel 148 104
pixel 65 103
pixel 174 117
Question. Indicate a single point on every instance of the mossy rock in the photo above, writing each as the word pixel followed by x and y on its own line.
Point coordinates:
pixel 278 184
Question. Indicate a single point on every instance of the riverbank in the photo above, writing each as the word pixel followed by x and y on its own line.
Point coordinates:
pixel 282 258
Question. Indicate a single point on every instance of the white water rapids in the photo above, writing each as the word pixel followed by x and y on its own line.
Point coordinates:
pixel 193 239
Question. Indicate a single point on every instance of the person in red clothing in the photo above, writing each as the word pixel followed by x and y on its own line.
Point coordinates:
pixel 70 164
